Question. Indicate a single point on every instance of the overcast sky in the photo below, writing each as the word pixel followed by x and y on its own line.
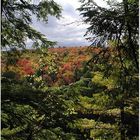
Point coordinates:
pixel 60 30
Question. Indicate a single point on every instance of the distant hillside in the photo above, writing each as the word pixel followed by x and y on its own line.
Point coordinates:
pixel 65 67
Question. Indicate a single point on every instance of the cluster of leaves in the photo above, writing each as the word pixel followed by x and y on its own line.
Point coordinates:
pixel 26 67
pixel 28 113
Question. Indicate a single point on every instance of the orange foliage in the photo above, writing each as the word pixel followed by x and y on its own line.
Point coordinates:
pixel 26 66
pixel 68 61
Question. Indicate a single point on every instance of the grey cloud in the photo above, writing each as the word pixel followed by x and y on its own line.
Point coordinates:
pixel 59 33
pixel 70 35
pixel 52 22
pixel 69 10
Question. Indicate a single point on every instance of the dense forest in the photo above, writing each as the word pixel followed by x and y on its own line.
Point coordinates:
pixel 77 93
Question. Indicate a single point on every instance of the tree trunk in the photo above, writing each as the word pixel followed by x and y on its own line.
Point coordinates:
pixel 122 119
pixel 132 49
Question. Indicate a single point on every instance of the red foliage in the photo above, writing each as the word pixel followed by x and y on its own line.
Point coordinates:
pixel 45 68
pixel 67 67
pixel 77 64
pixel 26 66
pixel 68 80
pixel 68 59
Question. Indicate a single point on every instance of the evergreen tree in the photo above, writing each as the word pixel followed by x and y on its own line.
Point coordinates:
pixel 28 113
pixel 17 19
pixel 115 69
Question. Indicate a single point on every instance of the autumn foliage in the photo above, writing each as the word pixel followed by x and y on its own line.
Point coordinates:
pixel 67 59
pixel 25 66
